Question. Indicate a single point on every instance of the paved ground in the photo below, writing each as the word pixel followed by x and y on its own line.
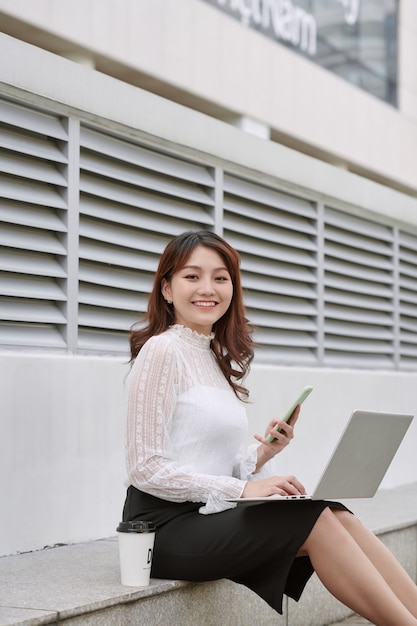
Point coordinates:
pixel 352 621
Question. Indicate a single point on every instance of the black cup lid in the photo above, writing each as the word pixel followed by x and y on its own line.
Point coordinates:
pixel 137 526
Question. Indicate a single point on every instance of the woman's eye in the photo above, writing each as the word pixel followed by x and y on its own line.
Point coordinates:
pixel 222 278
pixel 191 276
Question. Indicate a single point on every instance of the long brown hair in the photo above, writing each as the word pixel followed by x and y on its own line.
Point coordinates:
pixel 232 343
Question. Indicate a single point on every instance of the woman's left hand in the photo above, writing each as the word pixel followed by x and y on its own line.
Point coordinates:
pixel 267 449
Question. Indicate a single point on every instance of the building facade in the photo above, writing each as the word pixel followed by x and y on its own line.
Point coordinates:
pixel 126 123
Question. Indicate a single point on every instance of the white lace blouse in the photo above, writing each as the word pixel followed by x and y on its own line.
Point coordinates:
pixel 185 426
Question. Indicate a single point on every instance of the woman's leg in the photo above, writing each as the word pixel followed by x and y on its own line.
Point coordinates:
pixel 385 562
pixel 348 573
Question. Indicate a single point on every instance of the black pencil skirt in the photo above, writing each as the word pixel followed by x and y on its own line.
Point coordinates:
pixel 254 544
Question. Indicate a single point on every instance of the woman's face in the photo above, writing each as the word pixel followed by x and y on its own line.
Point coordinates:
pixel 201 291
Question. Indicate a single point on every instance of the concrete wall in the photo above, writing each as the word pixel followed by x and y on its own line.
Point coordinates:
pixel 62 466
pixel 62 433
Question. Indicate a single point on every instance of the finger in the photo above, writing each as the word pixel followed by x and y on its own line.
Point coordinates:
pixel 288 430
pixel 297 485
pixel 294 416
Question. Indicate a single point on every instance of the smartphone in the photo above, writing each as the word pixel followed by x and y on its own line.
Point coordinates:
pixel 303 395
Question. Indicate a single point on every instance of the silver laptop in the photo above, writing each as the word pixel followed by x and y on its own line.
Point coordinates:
pixel 360 459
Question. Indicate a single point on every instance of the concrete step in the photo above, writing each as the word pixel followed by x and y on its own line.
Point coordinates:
pixel 79 584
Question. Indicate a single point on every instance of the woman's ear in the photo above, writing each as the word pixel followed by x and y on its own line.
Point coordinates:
pixel 166 289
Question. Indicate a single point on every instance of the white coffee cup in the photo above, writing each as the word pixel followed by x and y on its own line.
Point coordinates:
pixel 136 540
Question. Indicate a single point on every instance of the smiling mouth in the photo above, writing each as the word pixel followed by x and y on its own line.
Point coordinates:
pixel 206 305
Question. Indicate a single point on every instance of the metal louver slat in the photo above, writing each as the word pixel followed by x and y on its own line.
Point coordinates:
pixel 30 263
pixel 268 320
pixel 31 335
pixel 142 210
pixel 39 287
pixel 263 195
pixel 30 168
pixel 30 239
pixel 116 277
pixel 357 226
pixel 20 310
pixel 358 290
pixel 117 256
pixel 16 142
pixel 31 215
pixel 110 177
pixel 26 119
pixel 279 304
pixel 142 157
pixel 33 227
pixel 357 286
pixel 31 192
pixel 279 286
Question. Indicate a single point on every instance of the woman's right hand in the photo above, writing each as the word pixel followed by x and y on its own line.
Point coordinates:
pixel 281 485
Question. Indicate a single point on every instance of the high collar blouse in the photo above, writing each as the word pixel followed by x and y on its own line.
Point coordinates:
pixel 185 425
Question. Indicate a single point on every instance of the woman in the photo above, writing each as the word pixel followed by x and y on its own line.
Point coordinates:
pixel 185 428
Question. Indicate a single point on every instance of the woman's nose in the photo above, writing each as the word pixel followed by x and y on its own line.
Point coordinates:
pixel 206 286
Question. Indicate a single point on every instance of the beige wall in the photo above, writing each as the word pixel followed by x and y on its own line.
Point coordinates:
pixel 191 52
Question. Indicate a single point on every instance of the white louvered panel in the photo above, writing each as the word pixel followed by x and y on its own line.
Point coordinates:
pixel 31 335
pixel 39 287
pixel 274 256
pixel 275 235
pixel 408 299
pixel 33 188
pixel 19 310
pixel 28 214
pixel 103 341
pixel 357 330
pixel 272 267
pixel 139 156
pixel 372 316
pixel 268 319
pixel 357 249
pixel 30 168
pixel 279 346
pixel 100 169
pixel 299 339
pixel 279 304
pixel 28 263
pixel 344 283
pixel 256 197
pixel 32 144
pixel 32 121
pixel 358 291
pixel 30 192
pixel 31 239
pixel 144 211
pixel 353 227
pixel 275 285
pixel 104 158
pixel 118 256
pixel 133 200
pixel 351 302
pixel 117 277
pixel 111 319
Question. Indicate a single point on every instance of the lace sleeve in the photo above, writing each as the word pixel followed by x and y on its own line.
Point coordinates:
pixel 150 463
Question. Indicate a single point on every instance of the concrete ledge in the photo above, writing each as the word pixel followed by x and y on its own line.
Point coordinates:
pixel 79 584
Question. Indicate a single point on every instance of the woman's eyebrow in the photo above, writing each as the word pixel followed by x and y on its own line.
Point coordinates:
pixel 197 267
